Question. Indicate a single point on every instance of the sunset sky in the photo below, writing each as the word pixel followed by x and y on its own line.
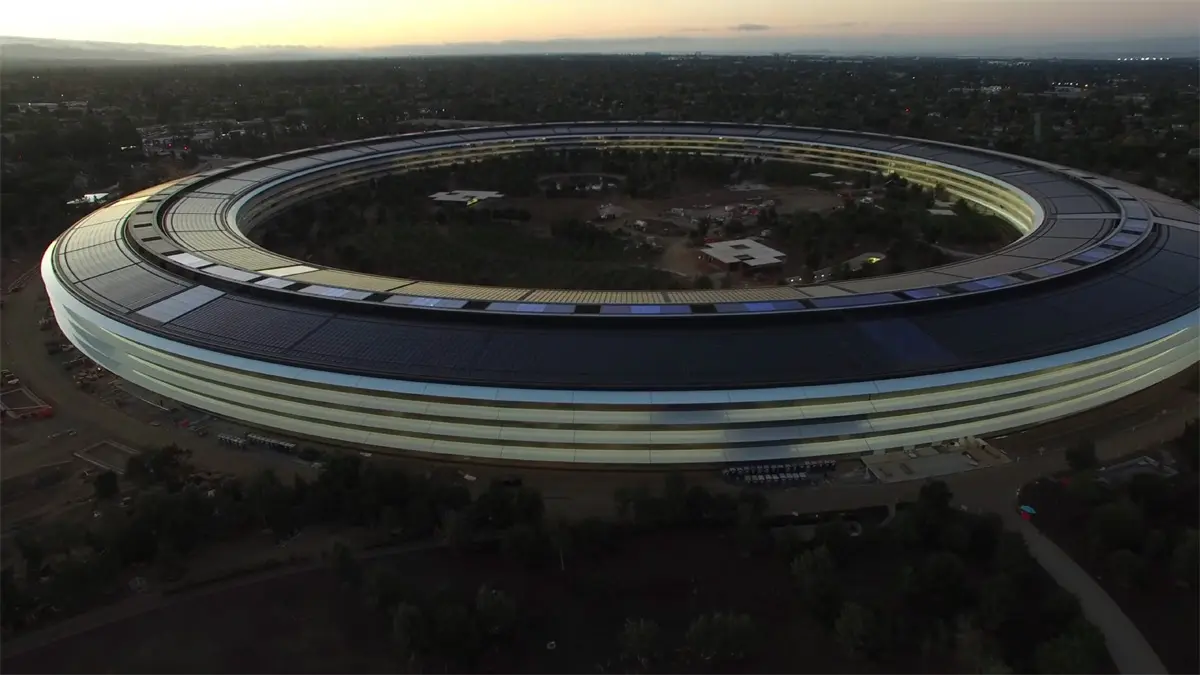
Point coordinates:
pixel 371 23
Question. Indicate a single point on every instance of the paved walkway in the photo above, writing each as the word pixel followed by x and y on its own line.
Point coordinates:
pixel 1130 651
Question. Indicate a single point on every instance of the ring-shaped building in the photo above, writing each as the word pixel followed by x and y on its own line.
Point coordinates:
pixel 1096 300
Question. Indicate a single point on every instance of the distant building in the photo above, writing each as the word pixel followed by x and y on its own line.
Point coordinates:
pixel 743 254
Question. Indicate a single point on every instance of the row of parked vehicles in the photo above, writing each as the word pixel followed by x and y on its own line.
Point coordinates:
pixel 780 473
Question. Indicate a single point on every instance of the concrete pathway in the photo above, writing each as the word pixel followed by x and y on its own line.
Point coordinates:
pixel 1130 651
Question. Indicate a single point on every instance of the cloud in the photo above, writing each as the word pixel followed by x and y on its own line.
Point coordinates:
pixel 749 27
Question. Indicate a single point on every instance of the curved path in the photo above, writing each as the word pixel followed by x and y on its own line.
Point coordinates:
pixel 1128 648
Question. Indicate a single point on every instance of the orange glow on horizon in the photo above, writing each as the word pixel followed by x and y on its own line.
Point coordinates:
pixel 373 23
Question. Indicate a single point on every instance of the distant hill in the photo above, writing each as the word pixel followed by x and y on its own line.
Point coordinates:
pixel 37 51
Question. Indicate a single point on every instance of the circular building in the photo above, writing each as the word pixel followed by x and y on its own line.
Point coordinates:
pixel 1096 300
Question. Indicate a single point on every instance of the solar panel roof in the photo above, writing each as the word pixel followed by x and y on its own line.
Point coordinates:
pixel 972 313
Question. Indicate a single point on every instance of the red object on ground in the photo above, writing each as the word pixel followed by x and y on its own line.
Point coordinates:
pixel 183 424
pixel 1065 482
pixel 1025 515
pixel 45 412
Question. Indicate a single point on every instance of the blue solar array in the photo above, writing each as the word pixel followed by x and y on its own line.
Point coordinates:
pixel 1095 255
pixel 924 293
pixel 987 284
pixel 1122 240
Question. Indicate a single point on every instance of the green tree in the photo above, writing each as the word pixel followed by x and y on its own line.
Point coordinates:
pixel 1080 649
pixel 997 601
pixel 1126 568
pixel 346 565
pixel 456 529
pixel 639 643
pixel 455 635
pixel 1082 456
pixel 816 579
pixel 720 637
pixel 855 629
pixel 409 632
pixel 1184 559
pixel 496 612
pixel 32 552
pixel 1117 525
pixel 106 485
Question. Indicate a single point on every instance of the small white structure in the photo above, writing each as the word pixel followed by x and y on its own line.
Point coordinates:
pixel 743 253
pixel 610 211
pixel 941 212
pixel 821 175
pixel 467 197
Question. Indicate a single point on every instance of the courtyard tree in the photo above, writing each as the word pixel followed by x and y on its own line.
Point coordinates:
pixel 1126 568
pixel 346 565
pixel 855 629
pixel 1184 560
pixel 639 643
pixel 816 579
pixel 495 612
pixel 1082 456
pixel 720 637
pixel 1119 524
pixel 1079 649
pixel 409 632
pixel 106 485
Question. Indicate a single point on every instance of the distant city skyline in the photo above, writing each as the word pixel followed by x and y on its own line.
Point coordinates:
pixel 368 24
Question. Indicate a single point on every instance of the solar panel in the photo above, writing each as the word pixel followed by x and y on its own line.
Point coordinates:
pixel 854 300
pixel 417 301
pixel 230 273
pixel 176 306
pixel 1135 210
pixel 521 307
pixel 239 321
pixel 189 260
pixel 95 260
pixel 924 293
pixel 331 292
pixel 289 270
pixel 760 306
pixel 645 309
pixel 274 282
pixel 1050 270
pixel 1095 255
pixel 988 283
pixel 1122 240
pixel 614 309
pixel 133 287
